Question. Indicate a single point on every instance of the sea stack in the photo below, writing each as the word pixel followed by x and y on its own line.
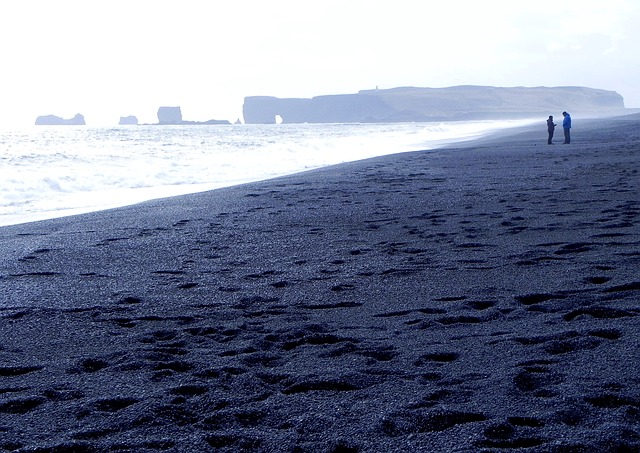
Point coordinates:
pixel 169 115
pixel 52 120
pixel 128 120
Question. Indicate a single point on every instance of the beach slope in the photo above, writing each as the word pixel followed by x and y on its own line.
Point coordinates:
pixel 482 298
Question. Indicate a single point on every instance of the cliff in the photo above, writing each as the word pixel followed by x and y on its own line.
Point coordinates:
pixel 52 120
pixel 432 104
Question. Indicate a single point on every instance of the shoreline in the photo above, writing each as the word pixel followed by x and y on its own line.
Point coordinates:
pixel 106 199
pixel 472 298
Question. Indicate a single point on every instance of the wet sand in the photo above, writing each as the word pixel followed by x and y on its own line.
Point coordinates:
pixel 479 298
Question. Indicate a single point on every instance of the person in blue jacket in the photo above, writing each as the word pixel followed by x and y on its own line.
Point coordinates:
pixel 566 125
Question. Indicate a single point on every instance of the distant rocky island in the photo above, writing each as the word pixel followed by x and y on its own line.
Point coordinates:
pixel 414 104
pixel 402 104
pixel 166 116
pixel 173 115
pixel 52 120
pixel 128 120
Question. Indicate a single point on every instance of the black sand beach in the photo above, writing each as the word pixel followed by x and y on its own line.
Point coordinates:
pixel 482 298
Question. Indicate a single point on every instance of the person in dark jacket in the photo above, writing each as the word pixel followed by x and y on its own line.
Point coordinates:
pixel 566 125
pixel 551 126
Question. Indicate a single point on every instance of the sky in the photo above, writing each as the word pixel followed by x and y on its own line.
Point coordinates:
pixel 111 58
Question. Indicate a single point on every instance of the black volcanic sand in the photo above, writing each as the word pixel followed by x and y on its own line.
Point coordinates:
pixel 483 298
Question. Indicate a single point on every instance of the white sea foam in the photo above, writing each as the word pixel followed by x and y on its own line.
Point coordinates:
pixel 48 172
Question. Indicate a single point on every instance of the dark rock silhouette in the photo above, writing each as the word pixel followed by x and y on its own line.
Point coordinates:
pixel 431 104
pixel 52 120
pixel 169 115
pixel 128 120
pixel 173 115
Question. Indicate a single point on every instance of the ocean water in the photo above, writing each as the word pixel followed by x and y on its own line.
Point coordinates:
pixel 54 171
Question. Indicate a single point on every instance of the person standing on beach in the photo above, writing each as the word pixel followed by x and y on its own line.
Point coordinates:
pixel 566 125
pixel 551 126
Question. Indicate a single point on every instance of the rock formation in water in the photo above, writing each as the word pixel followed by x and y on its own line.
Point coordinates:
pixel 173 115
pixel 169 115
pixel 128 120
pixel 52 120
pixel 407 104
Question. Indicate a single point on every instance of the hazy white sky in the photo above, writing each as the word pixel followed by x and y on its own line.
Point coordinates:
pixel 107 59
